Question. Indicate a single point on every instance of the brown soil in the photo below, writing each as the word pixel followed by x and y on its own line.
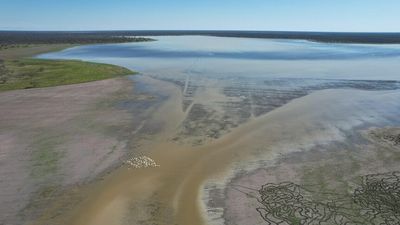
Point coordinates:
pixel 169 194
pixel 88 138
pixel 53 138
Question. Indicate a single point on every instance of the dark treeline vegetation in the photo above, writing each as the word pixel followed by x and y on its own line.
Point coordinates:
pixel 89 37
pixel 329 37
pixel 37 37
pixel 65 37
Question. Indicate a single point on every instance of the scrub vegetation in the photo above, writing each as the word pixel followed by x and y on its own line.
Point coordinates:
pixel 18 71
pixel 11 39
pixel 36 73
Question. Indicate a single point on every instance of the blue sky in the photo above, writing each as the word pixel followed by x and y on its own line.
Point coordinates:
pixel 300 15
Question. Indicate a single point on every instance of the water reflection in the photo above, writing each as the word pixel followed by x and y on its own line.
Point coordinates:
pixel 219 57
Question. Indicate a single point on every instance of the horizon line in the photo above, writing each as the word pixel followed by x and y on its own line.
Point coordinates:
pixel 198 30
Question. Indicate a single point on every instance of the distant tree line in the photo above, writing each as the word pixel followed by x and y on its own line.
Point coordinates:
pixel 33 37
pixel 328 37
pixel 87 37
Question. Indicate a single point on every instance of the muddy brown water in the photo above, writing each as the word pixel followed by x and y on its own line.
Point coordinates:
pixel 228 102
pixel 176 184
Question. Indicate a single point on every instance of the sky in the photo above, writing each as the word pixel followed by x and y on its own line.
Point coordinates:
pixel 277 15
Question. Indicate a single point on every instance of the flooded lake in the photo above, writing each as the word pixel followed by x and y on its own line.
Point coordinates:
pixel 244 57
pixel 235 114
pixel 227 81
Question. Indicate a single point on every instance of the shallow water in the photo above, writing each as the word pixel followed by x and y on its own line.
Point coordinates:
pixel 241 99
pixel 242 57
pixel 227 81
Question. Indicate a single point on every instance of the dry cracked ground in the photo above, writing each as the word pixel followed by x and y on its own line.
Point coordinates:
pixel 238 151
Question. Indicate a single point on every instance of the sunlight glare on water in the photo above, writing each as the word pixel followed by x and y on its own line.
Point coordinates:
pixel 245 57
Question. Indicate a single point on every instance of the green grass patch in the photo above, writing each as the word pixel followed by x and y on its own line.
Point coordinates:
pixel 37 73
pixel 45 157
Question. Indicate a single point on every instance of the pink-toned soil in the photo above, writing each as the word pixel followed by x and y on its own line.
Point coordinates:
pixel 56 137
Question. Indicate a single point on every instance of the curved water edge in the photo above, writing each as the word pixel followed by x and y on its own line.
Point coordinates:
pixel 225 114
pixel 184 170
pixel 243 57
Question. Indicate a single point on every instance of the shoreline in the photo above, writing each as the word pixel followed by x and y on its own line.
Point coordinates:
pixel 188 167
pixel 172 192
pixel 325 37
pixel 30 51
pixel 42 130
pixel 58 138
pixel 184 170
pixel 20 69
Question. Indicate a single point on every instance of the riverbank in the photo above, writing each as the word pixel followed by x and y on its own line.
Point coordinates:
pixel 56 137
pixel 192 145
pixel 39 73
pixel 19 71
pixel 173 192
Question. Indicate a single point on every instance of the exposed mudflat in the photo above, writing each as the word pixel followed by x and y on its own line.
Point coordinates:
pixel 220 136
pixel 386 135
pixel 352 181
pixel 53 139
pixel 308 143
pixel 315 133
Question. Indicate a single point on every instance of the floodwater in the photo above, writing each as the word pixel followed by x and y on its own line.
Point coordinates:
pixel 228 102
pixel 230 57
